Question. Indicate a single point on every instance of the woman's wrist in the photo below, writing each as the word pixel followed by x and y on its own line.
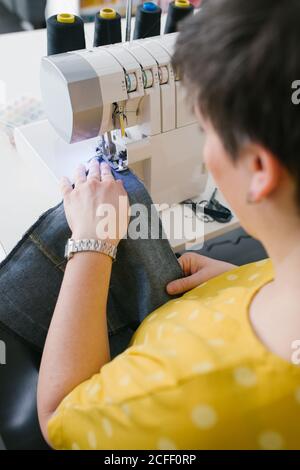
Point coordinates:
pixel 91 257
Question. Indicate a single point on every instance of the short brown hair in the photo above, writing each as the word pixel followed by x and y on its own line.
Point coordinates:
pixel 239 59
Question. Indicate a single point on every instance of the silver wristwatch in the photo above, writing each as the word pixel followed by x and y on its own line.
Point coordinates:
pixel 100 246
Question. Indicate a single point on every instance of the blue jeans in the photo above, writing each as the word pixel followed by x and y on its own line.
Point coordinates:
pixel 31 276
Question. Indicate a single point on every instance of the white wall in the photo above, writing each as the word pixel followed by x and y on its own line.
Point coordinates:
pixel 57 6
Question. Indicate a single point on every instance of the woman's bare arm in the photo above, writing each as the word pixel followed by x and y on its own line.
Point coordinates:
pixel 77 343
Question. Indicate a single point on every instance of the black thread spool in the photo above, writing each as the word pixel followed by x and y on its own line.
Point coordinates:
pixel 65 32
pixel 177 11
pixel 107 27
pixel 147 21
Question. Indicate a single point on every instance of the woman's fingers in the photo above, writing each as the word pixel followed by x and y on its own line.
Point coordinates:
pixel 195 272
pixel 106 174
pixel 80 175
pixel 185 263
pixel 94 170
pixel 192 262
pixel 65 186
pixel 179 286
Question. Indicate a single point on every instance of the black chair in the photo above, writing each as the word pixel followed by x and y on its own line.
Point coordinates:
pixel 19 426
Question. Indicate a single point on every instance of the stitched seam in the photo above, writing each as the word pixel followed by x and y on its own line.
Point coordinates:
pixel 53 258
pixel 26 236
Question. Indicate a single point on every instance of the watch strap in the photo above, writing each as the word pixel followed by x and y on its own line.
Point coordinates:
pixel 88 244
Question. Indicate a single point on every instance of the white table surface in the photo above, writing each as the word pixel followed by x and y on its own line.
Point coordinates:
pixel 22 194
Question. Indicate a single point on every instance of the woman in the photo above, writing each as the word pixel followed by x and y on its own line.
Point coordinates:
pixel 218 367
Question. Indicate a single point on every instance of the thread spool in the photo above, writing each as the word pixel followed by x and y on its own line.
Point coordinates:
pixel 65 32
pixel 147 21
pixel 107 27
pixel 177 11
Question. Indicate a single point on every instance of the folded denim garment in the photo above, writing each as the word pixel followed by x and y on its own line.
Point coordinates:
pixel 31 275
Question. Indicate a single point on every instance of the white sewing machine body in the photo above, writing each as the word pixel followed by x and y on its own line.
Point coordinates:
pixel 129 91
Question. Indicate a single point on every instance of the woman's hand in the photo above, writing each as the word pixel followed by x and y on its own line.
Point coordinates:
pixel 197 269
pixel 98 206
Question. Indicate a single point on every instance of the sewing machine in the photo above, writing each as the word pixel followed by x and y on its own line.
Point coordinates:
pixel 127 99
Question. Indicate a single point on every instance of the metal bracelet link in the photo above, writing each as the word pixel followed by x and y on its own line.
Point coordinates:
pixel 100 246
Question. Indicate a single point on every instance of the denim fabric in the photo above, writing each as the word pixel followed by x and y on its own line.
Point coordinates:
pixel 31 276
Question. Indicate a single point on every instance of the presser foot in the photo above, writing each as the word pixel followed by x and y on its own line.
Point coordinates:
pixel 118 165
pixel 117 161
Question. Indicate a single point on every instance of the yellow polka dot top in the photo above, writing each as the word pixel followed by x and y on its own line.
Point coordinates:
pixel 194 377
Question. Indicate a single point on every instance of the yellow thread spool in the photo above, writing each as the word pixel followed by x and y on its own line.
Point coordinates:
pixel 65 18
pixel 108 13
pixel 182 3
